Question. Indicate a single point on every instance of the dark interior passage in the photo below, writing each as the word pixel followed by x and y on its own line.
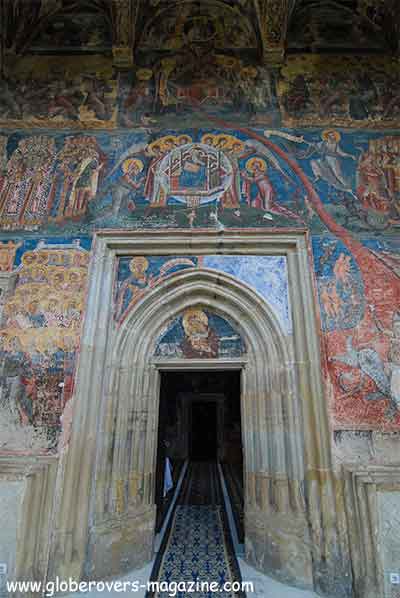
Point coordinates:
pixel 200 421
pixel 203 431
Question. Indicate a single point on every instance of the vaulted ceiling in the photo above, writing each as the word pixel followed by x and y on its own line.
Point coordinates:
pixel 267 29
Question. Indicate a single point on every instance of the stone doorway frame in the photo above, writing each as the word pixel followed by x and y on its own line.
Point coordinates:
pixel 294 513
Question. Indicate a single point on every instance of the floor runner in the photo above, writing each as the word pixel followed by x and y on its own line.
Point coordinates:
pixel 198 547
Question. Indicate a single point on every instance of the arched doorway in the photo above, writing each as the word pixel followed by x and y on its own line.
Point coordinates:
pixel 294 520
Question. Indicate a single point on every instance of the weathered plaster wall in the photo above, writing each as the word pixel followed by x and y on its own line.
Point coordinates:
pixel 388 539
pixel 11 494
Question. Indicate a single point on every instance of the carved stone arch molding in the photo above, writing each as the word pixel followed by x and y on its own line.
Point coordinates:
pixel 295 524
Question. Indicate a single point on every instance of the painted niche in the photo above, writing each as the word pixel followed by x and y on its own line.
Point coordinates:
pixel 200 334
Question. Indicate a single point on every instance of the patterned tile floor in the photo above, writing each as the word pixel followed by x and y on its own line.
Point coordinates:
pixel 196 550
pixel 198 546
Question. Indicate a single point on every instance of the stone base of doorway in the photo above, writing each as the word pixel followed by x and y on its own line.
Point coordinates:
pixel 264 586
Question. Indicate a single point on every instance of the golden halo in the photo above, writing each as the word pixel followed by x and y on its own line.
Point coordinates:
pixel 28 258
pixel 73 272
pixel 9 342
pixel 225 138
pixel 138 263
pixel 193 312
pixel 325 135
pixel 170 140
pixel 249 71
pixel 51 299
pixel 250 165
pixel 227 61
pixel 4 340
pixel 71 303
pixel 126 166
pixel 18 306
pixel 168 62
pixel 10 308
pixel 208 139
pixel 239 145
pixel 64 343
pixel 158 143
pixel 184 139
pixel 43 342
pixel 144 74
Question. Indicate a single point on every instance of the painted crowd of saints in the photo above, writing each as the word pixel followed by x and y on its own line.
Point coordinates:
pixel 40 330
pixel 344 187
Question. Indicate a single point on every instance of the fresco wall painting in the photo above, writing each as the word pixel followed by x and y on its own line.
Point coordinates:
pixel 265 274
pixel 341 186
pixel 39 339
pixel 199 333
pixel 343 91
pixel 59 94
pixel 192 83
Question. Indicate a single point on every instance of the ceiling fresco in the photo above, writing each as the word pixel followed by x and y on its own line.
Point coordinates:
pixel 332 25
pixel 217 25
pixel 267 28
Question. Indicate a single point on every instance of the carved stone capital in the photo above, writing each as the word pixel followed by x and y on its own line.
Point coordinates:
pixel 273 16
pixel 124 16
pixel 123 57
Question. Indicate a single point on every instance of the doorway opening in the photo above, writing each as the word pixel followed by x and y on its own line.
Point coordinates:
pixel 203 431
pixel 200 428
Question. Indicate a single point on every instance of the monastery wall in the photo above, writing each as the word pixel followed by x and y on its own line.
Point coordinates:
pixel 314 149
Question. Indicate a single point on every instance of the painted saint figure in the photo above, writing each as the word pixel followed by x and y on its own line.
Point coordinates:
pixel 200 340
pixel 259 192
pixel 328 165
pixel 80 163
pixel 134 287
pixel 152 189
pixel 257 187
pixel 124 190
pixel 28 185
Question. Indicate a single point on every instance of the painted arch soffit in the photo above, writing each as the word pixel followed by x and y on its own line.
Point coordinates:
pixel 239 317
pixel 267 275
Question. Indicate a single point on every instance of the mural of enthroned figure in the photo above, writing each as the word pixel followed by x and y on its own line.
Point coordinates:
pixel 191 171
pixel 188 173
pixel 234 150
